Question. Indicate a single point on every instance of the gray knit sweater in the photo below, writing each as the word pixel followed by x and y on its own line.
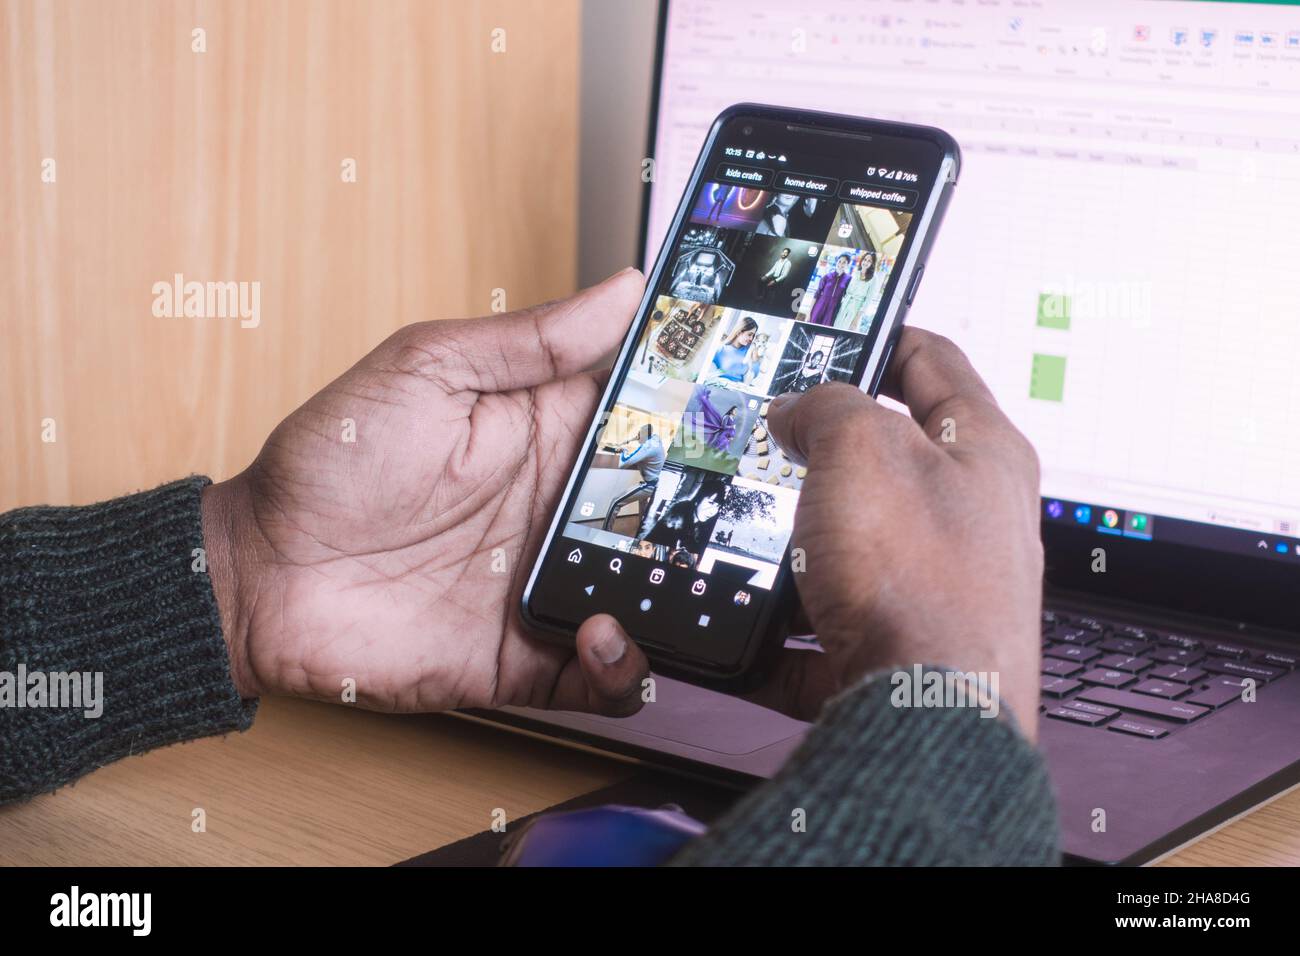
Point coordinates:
pixel 111 589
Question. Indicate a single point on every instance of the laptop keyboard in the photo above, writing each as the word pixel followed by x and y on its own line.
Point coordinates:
pixel 1144 682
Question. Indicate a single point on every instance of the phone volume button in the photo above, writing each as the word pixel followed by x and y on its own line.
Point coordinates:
pixel 916 281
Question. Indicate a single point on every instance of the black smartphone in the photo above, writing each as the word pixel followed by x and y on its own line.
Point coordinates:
pixel 792 259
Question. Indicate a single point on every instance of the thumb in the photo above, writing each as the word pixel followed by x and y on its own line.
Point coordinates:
pixel 606 674
pixel 801 424
pixel 521 349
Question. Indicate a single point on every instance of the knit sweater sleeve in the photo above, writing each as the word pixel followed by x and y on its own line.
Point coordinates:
pixel 876 784
pixel 110 639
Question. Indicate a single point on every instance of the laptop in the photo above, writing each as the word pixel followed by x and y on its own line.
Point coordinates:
pixel 1119 263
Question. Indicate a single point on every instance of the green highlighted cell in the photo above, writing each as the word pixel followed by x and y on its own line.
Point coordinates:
pixel 1047 378
pixel 1054 311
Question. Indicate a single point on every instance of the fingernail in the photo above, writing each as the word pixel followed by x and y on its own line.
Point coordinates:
pixel 610 648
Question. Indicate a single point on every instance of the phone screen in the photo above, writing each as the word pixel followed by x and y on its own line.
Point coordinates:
pixel 778 275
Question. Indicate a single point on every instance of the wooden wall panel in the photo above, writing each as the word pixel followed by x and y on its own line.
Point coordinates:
pixel 226 165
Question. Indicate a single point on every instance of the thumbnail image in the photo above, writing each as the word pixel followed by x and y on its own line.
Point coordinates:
pixel 631 450
pixel 861 302
pixel 714 428
pixel 880 232
pixel 722 204
pixel 815 354
pixel 874 237
pixel 789 216
pixel 870 227
pixel 764 461
pixel 845 289
pixel 646 549
pixel 682 515
pixel 826 290
pixel 745 353
pixel 771 275
pixel 704 263
pixel 755 521
pixel 676 340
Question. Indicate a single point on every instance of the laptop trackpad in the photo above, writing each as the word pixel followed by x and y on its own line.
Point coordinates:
pixel 686 714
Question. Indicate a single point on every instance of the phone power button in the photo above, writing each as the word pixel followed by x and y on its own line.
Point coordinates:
pixel 916 281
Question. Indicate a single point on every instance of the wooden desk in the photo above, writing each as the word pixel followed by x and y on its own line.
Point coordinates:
pixel 309 784
pixel 321 784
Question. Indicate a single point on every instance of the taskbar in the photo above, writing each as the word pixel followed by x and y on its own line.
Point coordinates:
pixel 1108 521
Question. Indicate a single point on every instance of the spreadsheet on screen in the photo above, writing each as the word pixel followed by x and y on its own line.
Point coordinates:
pixel 1121 260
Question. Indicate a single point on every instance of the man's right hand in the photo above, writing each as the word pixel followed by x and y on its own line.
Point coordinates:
pixel 920 535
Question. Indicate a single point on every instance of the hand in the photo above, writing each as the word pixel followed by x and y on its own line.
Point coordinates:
pixel 918 549
pixel 398 559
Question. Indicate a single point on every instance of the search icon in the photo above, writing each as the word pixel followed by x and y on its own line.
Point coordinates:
pixel 616 565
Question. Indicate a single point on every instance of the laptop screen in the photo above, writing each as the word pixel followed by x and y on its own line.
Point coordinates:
pixel 1121 260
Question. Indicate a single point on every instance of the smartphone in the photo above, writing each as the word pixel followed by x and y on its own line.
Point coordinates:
pixel 792 259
